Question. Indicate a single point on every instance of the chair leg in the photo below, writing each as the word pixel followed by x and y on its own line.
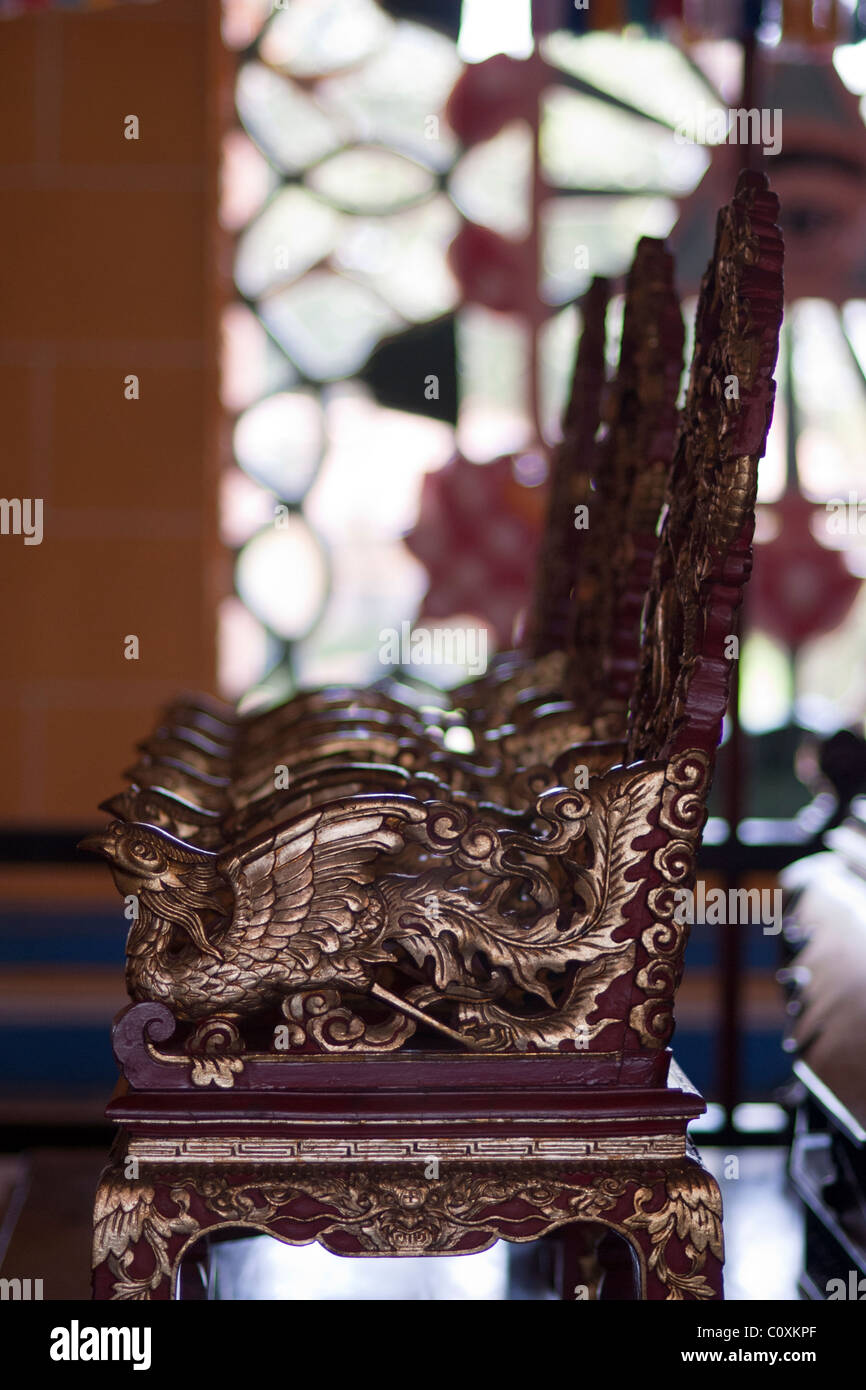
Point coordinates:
pixel 140 1226
pixel 676 1222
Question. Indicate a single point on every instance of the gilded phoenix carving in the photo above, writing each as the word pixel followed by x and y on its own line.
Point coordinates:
pixel 432 913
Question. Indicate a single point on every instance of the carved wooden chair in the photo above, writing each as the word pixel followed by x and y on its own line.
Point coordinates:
pixel 401 1020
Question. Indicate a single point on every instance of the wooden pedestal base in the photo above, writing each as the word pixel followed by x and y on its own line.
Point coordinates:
pixel 669 1213
pixel 407 1155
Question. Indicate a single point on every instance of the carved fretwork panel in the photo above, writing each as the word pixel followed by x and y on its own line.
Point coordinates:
pixel 671 1216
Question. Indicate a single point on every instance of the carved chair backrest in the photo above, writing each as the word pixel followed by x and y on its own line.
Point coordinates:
pixel 631 466
pixel 701 565
pixel 633 833
pixel 550 617
pixel 644 818
pixel 704 556
pixel 608 481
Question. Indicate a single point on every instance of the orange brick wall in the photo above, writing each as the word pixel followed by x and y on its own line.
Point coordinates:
pixel 107 267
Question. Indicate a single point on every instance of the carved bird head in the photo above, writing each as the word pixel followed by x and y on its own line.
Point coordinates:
pixel 171 880
pixel 147 857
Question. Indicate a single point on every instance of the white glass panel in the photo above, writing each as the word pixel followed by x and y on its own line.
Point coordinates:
pixel 244 508
pixel 649 73
pixel 246 181
pixel 242 21
pixel 279 442
pixel 494 386
pixel 287 124
pixel 294 232
pixel 585 144
pixel 492 182
pixel 370 481
pixel 831 683
pixel 557 346
pixel 583 237
pixel 403 257
pixel 364 498
pixel 488 27
pixel 328 324
pixel 766 691
pixel 244 649
pixel 397 97
pixel 251 365
pixel 308 37
pixel 370 180
pixel 831 402
pixel 282 578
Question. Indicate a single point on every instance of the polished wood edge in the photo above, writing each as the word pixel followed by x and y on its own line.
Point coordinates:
pixel 830 1103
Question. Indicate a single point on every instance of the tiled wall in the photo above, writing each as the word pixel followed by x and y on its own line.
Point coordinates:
pixel 107 267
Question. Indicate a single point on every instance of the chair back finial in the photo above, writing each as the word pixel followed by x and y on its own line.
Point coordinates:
pixel 572 469
pixel 704 556
pixel 632 464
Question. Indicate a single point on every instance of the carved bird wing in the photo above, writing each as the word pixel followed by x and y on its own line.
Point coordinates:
pixel 305 876
pixel 615 812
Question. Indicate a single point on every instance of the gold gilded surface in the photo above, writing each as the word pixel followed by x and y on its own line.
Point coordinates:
pixel 482 1149
pixel 629 473
pixel 390 1212
pixel 314 920
pixel 489 701
pixel 664 938
pixel 692 1211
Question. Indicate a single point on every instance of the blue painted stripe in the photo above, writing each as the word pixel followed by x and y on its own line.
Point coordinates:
pixel 92 938
pixel 57 1058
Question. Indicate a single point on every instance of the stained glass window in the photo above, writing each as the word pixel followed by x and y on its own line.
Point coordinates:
pixel 344 186
pixel 348 190
pixel 334 184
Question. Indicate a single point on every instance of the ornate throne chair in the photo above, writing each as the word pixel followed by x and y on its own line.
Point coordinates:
pixel 404 1020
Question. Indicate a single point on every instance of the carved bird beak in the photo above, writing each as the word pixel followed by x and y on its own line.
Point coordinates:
pixel 98 843
pixel 115 806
